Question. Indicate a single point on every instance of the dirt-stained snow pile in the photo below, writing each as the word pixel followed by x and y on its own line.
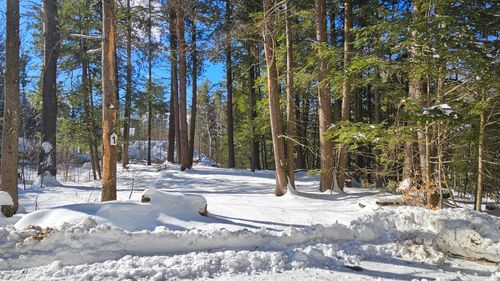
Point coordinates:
pixel 405 232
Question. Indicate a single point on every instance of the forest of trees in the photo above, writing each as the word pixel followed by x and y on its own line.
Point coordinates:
pixel 371 91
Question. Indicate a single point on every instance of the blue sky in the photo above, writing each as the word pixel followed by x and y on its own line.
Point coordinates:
pixel 215 72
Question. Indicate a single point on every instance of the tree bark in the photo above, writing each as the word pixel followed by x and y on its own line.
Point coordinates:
pixel 194 77
pixel 150 81
pixel 325 104
pixel 274 96
pixel 183 129
pixel 94 127
pixel 377 119
pixel 254 143
pixel 10 130
pixel 49 89
pixel 88 109
pixel 337 103
pixel 173 129
pixel 345 89
pixel 480 169
pixel 229 88
pixel 109 102
pixel 302 134
pixel 128 94
pixel 290 96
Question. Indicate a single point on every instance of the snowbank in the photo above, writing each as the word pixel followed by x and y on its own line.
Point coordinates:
pixel 405 232
pixel 173 210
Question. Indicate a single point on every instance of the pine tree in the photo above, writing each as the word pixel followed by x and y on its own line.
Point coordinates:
pixel 10 131
pixel 110 106
pixel 273 92
pixel 49 89
pixel 324 100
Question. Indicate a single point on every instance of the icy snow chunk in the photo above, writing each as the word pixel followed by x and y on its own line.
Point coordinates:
pixel 5 199
pixel 47 147
pixel 405 184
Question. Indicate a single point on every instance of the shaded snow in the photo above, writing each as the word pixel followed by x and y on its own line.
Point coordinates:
pixel 173 210
pixel 250 234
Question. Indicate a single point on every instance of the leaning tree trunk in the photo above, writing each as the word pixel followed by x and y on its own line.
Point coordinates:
pixel 290 113
pixel 274 99
pixel 183 129
pixel 109 102
pixel 229 87
pixel 194 76
pixel 346 91
pixel 128 94
pixel 10 131
pixel 325 106
pixel 47 162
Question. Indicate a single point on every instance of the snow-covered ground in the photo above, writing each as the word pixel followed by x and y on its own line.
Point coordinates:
pixel 249 233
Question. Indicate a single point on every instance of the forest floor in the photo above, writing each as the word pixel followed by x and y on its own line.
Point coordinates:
pixel 249 233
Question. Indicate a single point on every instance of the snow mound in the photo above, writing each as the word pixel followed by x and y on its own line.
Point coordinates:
pixel 404 232
pixel 5 199
pixel 173 210
pixel 46 180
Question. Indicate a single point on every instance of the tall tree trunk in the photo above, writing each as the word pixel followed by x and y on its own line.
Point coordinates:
pixel 194 97
pixel 10 130
pixel 337 104
pixel 150 81
pixel 302 133
pixel 254 143
pixel 183 129
pixel 173 129
pixel 290 112
pixel 325 104
pixel 49 89
pixel 109 102
pixel 97 165
pixel 480 169
pixel 229 87
pixel 274 99
pixel 345 89
pixel 377 119
pixel 88 109
pixel 128 94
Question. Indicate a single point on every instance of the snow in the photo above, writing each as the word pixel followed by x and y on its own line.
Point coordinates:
pixel 405 184
pixel 173 210
pixel 440 110
pixel 5 199
pixel 47 147
pixel 249 233
pixel 46 180
pixel 24 145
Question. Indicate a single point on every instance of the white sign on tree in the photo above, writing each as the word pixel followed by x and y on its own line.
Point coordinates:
pixel 113 139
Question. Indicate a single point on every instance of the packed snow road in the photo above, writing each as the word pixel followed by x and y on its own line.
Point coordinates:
pixel 249 233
